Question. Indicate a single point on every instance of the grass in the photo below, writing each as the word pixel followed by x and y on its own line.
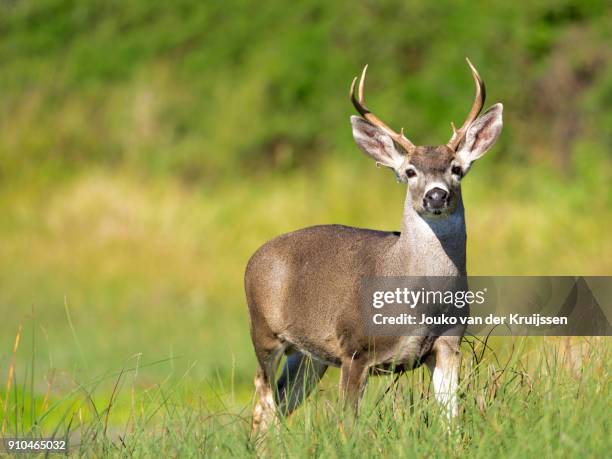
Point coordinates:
pixel 530 397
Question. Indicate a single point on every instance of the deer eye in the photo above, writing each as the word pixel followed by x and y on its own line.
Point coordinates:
pixel 410 173
pixel 456 170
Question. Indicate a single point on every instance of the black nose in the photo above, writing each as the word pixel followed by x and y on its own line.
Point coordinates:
pixel 436 198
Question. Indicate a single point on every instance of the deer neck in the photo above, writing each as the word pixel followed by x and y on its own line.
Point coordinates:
pixel 432 247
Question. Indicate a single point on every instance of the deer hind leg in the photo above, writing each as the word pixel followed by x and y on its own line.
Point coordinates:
pixel 300 376
pixel 444 364
pixel 264 411
pixel 353 378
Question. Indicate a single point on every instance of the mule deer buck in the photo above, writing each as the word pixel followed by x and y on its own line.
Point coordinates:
pixel 302 288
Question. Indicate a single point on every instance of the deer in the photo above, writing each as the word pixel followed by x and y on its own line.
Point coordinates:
pixel 302 288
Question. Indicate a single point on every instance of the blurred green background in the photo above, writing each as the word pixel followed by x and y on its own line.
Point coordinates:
pixel 148 148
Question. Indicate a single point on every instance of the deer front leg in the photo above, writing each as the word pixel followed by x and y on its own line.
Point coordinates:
pixel 444 364
pixel 353 377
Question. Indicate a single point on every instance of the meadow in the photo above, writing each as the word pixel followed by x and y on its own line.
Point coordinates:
pixel 146 151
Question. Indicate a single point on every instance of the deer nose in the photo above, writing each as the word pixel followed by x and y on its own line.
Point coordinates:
pixel 436 198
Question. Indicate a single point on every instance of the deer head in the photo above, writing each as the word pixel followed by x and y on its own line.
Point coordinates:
pixel 433 173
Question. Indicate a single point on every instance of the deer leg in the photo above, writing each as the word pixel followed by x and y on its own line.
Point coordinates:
pixel 300 376
pixel 264 410
pixel 444 364
pixel 353 378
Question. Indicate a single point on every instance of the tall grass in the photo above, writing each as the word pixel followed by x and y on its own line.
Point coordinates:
pixel 530 397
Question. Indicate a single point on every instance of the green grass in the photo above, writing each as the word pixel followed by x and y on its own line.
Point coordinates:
pixel 531 397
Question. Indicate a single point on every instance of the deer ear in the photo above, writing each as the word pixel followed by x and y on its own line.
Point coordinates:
pixel 481 135
pixel 377 144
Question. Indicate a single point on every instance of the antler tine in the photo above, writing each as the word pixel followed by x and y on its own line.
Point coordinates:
pixel 479 99
pixel 363 110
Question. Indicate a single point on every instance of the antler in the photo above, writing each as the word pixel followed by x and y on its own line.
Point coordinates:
pixel 360 106
pixel 479 99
